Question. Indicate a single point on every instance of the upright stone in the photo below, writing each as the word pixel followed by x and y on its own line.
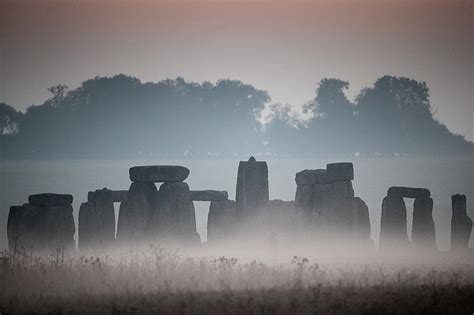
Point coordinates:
pixel 141 204
pixel 423 231
pixel 88 226
pixel 13 235
pixel 31 227
pixel 174 215
pixel 125 224
pixel 461 224
pixel 105 216
pixel 60 227
pixel 393 225
pixel 221 220
pixel 362 219
pixel 304 198
pixel 252 189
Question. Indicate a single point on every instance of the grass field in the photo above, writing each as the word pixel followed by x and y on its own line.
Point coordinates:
pixel 166 282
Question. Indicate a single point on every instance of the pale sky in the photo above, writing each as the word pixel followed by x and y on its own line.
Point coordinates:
pixel 284 47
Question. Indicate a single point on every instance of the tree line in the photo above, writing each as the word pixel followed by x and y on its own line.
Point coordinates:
pixel 120 117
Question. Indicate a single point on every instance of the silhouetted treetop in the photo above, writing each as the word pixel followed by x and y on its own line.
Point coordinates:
pixel 120 116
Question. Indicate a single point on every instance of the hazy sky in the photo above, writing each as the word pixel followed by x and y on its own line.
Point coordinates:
pixel 284 47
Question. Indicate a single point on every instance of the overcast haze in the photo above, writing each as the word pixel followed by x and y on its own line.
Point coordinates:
pixel 284 47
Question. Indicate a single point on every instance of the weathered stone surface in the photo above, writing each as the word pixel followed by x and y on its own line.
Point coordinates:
pixel 158 173
pixel 252 189
pixel 408 192
pixel 461 224
pixel 423 231
pixel 13 223
pixel 141 205
pixel 114 195
pixel 221 220
pixel 342 189
pixel 50 199
pixel 362 219
pixel 322 196
pixel 340 171
pixel 209 195
pixel 311 177
pixel 393 225
pixel 174 215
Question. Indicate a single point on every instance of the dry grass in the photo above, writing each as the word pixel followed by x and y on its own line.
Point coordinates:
pixel 166 282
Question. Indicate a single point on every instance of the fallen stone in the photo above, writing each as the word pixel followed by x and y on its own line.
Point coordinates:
pixel 209 195
pixel 221 220
pixel 423 230
pixel 461 224
pixel 408 192
pixel 158 173
pixel 50 199
pixel 340 171
pixel 252 189
pixel 393 225
pixel 13 223
pixel 311 177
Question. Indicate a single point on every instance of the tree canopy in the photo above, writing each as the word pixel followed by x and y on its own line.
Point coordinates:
pixel 120 116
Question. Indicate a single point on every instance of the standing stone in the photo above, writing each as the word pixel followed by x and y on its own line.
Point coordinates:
pixel 321 196
pixel 362 219
pixel 124 224
pixel 304 198
pixel 461 224
pixel 340 171
pixel 141 204
pixel 423 232
pixel 393 225
pixel 105 217
pixel 342 189
pixel 13 235
pixel 408 192
pixel 221 220
pixel 60 227
pixel 158 173
pixel 252 189
pixel 174 215
pixel 87 226
pixel 31 227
